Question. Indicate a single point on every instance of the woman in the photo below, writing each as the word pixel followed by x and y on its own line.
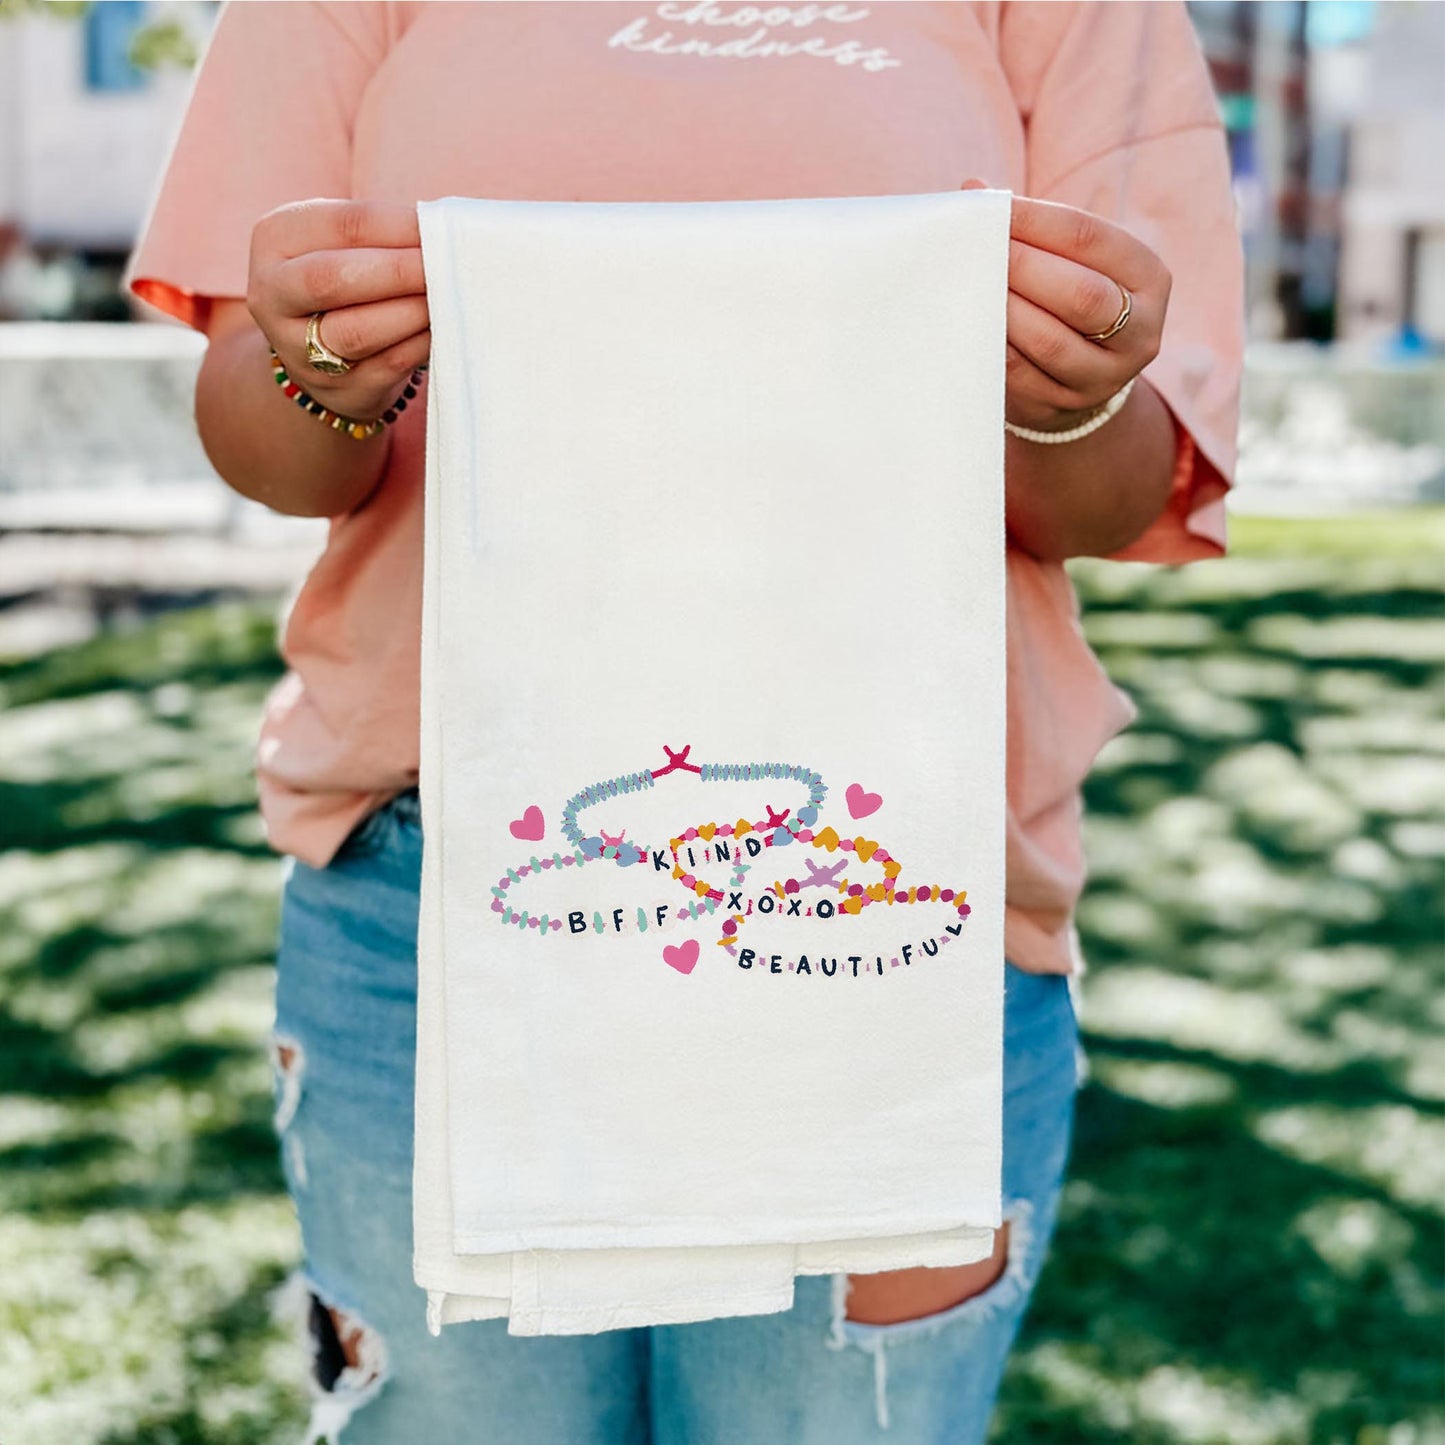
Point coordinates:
pixel 289 194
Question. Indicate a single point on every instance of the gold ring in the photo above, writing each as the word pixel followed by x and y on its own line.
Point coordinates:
pixel 1120 321
pixel 319 356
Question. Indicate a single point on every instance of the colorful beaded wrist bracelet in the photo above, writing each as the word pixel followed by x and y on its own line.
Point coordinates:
pixel 347 424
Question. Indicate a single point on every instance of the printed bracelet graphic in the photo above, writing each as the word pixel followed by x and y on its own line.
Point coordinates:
pixel 543 922
pixel 591 847
pixel 784 896
pixel 741 844
pixel 600 845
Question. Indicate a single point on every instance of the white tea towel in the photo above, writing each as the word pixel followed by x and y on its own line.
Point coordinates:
pixel 710 954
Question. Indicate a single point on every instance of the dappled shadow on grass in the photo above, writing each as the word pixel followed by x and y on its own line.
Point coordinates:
pixel 1248 1247
pixel 225 1351
pixel 80 1174
pixel 135 1051
pixel 138 912
pixel 204 647
pixel 34 1060
pixel 1189 1248
pixel 34 816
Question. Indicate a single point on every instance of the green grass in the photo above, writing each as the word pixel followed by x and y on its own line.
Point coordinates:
pixel 1418 532
pixel 1250 1246
pixel 143 1226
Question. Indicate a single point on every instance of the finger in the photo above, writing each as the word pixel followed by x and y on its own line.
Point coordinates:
pixel 357 332
pixel 379 378
pixel 1079 296
pixel 329 280
pixel 1034 398
pixel 323 224
pixel 1088 373
pixel 406 355
pixel 1086 238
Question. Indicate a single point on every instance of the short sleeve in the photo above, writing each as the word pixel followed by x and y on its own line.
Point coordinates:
pixel 1121 120
pixel 269 120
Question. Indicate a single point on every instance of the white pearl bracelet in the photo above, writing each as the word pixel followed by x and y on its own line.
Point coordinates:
pixel 1109 410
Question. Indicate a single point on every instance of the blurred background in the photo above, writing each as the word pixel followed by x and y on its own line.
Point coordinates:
pixel 1251 1244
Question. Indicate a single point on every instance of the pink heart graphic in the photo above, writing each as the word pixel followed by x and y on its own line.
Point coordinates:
pixel 681 956
pixel 860 802
pixel 530 826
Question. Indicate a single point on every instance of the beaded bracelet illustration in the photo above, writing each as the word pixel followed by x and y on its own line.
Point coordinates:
pixel 725 842
pixel 600 846
pixel 624 853
pixel 786 894
pixel 501 903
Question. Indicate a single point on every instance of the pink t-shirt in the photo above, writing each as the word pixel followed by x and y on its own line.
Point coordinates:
pixel 1104 106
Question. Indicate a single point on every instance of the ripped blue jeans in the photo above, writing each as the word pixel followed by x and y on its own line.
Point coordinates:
pixel 344 1054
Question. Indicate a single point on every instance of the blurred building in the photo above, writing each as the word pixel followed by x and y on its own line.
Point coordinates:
pixel 1333 108
pixel 1337 129
pixel 84 131
pixel 1392 101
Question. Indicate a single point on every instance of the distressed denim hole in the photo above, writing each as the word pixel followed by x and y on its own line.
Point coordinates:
pixel 1020 1270
pixel 288 1064
pixel 330 1356
pixel 901 1297
pixel 349 1367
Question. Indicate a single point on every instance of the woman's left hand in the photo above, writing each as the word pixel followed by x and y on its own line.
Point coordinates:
pixel 1066 268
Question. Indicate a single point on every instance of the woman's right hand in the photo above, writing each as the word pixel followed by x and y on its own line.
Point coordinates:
pixel 359 262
